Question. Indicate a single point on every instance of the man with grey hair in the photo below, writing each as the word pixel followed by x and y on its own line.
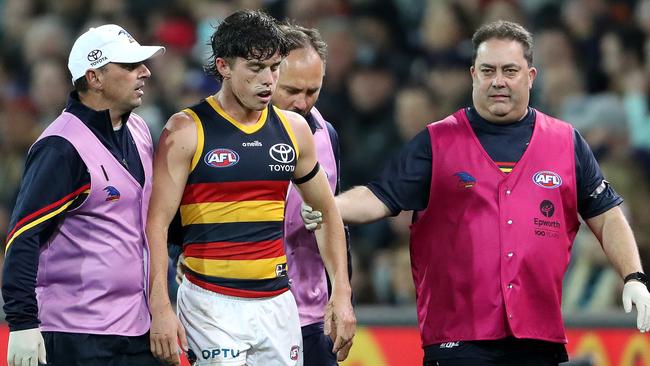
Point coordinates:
pixel 75 277
pixel 299 84
pixel 497 189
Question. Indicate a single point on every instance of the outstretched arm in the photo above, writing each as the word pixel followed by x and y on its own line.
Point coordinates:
pixel 358 205
pixel 172 163
pixel 615 235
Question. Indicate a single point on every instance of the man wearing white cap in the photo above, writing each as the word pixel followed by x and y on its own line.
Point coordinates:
pixel 75 278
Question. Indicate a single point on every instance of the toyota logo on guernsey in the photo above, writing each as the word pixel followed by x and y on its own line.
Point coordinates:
pixel 547 179
pixel 282 153
pixel 221 158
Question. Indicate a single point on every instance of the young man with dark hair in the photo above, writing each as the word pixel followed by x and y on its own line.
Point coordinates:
pixel 227 162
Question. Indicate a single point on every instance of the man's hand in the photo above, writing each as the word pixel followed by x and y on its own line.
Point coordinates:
pixel 340 324
pixel 637 293
pixel 26 348
pixel 165 330
pixel 310 217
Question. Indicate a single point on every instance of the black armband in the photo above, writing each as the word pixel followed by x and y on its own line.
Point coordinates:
pixel 638 276
pixel 307 177
pixel 600 189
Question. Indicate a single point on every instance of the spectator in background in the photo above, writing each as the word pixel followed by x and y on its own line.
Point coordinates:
pixel 391 266
pixel 333 101
pixel 18 130
pixel 445 51
pixel 48 87
pixel 447 78
pixel 415 106
pixel 584 21
pixel 75 273
pixel 498 188
pixel 562 83
pixel 367 130
pixel 442 29
pixel 368 135
pixel 636 102
pixel 47 38
pixel 494 10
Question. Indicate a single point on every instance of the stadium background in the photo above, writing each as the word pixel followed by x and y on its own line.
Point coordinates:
pixel 393 66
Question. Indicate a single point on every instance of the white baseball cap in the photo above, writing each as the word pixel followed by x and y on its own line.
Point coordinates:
pixel 104 44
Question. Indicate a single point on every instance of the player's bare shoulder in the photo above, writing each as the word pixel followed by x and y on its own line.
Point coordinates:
pixel 294 117
pixel 179 122
pixel 298 124
pixel 180 133
pixel 304 140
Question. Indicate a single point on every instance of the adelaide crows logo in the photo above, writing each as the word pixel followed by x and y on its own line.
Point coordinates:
pixel 123 32
pixel 112 193
pixel 465 180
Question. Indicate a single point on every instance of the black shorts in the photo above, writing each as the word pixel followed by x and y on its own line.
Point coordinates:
pixel 503 352
pixel 317 347
pixel 78 349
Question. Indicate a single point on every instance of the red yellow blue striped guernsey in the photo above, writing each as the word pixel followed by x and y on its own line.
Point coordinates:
pixel 232 210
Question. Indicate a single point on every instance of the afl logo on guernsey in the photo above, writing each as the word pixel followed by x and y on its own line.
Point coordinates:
pixel 221 158
pixel 547 179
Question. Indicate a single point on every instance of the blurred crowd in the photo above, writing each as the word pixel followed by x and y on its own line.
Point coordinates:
pixel 393 66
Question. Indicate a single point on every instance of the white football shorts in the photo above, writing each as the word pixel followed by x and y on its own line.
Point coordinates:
pixel 227 330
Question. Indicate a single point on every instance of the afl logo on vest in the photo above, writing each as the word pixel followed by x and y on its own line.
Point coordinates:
pixel 221 158
pixel 547 179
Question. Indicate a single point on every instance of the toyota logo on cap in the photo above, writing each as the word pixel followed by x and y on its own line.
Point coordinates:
pixel 94 55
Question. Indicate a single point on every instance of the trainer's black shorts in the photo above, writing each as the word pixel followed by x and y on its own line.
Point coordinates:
pixel 503 352
pixel 317 347
pixel 78 349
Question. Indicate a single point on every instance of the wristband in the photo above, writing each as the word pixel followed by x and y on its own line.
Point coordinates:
pixel 638 276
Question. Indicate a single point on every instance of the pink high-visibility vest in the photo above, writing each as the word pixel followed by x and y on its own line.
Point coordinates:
pixel 93 274
pixel 489 252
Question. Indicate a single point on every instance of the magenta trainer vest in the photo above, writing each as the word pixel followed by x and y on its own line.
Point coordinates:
pixel 490 250
pixel 306 270
pixel 93 273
